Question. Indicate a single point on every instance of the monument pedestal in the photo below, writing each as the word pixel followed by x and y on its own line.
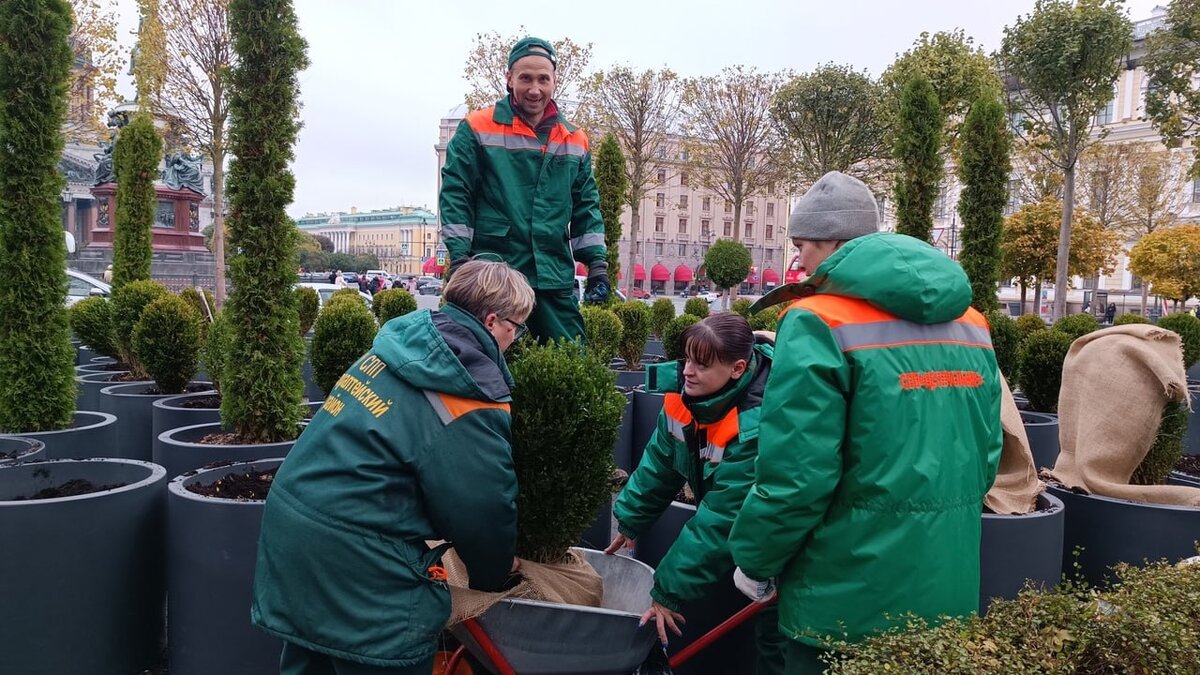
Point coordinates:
pixel 176 223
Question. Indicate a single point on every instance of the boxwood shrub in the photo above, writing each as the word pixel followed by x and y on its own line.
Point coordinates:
pixel 91 320
pixel 391 303
pixel 1167 449
pixel 1039 370
pixel 1006 340
pixel 1188 328
pixel 1125 319
pixel 1077 325
pixel 215 352
pixel 742 306
pixel 603 329
pixel 767 319
pixel 309 303
pixel 128 303
pixel 1030 324
pixel 166 340
pixel 344 332
pixel 673 336
pixel 635 322
pixel 696 307
pixel 661 313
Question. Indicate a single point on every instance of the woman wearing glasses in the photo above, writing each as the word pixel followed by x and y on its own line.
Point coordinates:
pixel 413 444
pixel 707 437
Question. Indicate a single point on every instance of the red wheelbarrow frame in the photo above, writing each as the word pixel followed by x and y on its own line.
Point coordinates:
pixel 501 664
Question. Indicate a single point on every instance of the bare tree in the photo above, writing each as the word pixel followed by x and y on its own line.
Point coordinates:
pixel 487 67
pixel 1156 200
pixel 98 58
pixel 195 95
pixel 1104 187
pixel 730 142
pixel 640 109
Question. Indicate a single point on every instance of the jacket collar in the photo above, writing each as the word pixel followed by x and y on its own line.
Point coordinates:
pixel 502 113
pixel 498 382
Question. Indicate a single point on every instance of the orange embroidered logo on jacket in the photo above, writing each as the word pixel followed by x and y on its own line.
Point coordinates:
pixel 712 439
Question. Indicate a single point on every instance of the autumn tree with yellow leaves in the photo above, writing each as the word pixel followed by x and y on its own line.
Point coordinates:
pixel 1169 260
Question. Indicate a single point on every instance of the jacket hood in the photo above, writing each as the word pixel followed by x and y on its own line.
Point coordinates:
pixel 447 351
pixel 896 273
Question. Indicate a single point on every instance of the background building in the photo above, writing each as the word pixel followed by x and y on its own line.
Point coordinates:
pixel 404 238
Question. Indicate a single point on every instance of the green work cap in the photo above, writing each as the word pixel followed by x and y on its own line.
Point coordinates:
pixel 531 46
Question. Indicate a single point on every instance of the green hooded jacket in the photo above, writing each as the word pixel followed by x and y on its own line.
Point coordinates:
pixel 413 444
pixel 531 202
pixel 880 436
pixel 710 444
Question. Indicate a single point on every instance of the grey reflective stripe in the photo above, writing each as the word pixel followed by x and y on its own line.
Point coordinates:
pixel 457 231
pixel 891 333
pixel 713 453
pixel 508 141
pixel 440 408
pixel 560 149
pixel 676 429
pixel 589 239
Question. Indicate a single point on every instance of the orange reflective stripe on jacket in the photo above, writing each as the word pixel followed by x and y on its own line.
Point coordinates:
pixel 518 135
pixel 718 435
pixel 450 408
pixel 857 324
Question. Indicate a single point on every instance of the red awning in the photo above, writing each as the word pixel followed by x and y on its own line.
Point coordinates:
pixel 752 278
pixel 580 270
pixel 431 267
pixel 683 273
pixel 639 272
pixel 770 276
pixel 660 273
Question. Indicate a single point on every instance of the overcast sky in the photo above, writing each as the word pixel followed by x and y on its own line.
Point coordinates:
pixel 384 72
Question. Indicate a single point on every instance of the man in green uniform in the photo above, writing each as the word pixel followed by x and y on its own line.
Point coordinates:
pixel 517 184
pixel 880 434
pixel 413 444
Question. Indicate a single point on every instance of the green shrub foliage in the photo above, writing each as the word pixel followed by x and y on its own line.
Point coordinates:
pixel 1029 324
pixel 198 301
pixel 37 374
pixel 612 184
pixel 661 313
pixel 1126 319
pixel 1148 622
pixel 215 352
pixel 1077 325
pixel 128 303
pixel 566 410
pixel 983 167
pixel 727 263
pixel 635 322
pixel 603 329
pixel 91 319
pixel 918 158
pixel 391 303
pixel 1040 368
pixel 135 163
pixel 1188 328
pixel 697 307
pixel 345 294
pixel 166 340
pixel 344 332
pixel 1167 449
pixel 308 303
pixel 742 306
pixel 261 397
pixel 1006 340
pixel 767 319
pixel 673 335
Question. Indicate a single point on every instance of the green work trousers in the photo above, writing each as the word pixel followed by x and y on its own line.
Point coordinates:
pixel 772 646
pixel 804 659
pixel 556 315
pixel 297 660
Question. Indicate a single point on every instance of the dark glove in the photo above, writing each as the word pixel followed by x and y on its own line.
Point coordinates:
pixel 597 289
pixel 454 265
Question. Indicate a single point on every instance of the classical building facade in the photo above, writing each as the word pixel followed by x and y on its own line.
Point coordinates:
pixel 680 220
pixel 405 238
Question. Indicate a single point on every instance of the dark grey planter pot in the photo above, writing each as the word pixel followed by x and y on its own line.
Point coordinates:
pixel 99 606
pixel 169 413
pixel 180 452
pixel 1110 531
pixel 732 653
pixel 630 378
pixel 602 531
pixel 646 408
pixel 1017 549
pixel 15 449
pixel 623 450
pixel 311 390
pixel 654 347
pixel 97 364
pixel 1042 430
pixel 132 405
pixel 211 549
pixel 87 396
pixel 93 434
pixel 1186 480
pixel 1191 439
pixel 84 355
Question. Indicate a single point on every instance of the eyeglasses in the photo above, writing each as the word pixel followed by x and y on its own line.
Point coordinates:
pixel 522 329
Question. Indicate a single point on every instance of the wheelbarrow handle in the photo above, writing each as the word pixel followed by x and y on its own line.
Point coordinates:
pixel 489 648
pixel 718 632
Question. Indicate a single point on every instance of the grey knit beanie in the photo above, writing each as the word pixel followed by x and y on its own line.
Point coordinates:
pixel 836 208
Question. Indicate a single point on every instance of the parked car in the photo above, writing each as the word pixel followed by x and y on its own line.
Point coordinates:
pixel 324 291
pixel 709 296
pixel 430 287
pixel 85 286
pixel 641 294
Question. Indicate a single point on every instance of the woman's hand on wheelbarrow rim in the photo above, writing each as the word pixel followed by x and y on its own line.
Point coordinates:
pixel 663 619
pixel 621 541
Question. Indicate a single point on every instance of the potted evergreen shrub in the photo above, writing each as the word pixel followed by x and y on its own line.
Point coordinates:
pixel 661 313
pixel 635 322
pixel 743 307
pixel 697 307
pixel 766 319
pixel 308 303
pixel 37 361
pixel 1006 339
pixel 1039 371
pixel 344 332
pixel 1188 329
pixel 1126 319
pixel 128 303
pixel 1029 324
pixel 603 329
pixel 91 321
pixel 391 303
pixel 1077 325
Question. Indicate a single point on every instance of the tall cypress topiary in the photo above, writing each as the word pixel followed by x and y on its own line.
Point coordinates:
pixel 983 167
pixel 261 396
pixel 918 154
pixel 613 187
pixel 37 375
pixel 135 161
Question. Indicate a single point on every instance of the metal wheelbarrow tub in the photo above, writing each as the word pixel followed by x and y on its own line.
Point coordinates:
pixel 538 637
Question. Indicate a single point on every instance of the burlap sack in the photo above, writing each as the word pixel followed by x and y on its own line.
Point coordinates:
pixel 572 582
pixel 1017 486
pixel 1115 384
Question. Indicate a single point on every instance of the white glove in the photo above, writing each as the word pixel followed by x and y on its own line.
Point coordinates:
pixel 758 591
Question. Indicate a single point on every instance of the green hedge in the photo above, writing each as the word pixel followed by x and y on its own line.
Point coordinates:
pixel 697 307
pixel 566 410
pixel 1188 328
pixel 308 304
pixel 635 322
pixel 391 303
pixel 1039 370
pixel 673 336
pixel 603 329
pixel 166 340
pixel 91 320
pixel 128 303
pixel 661 313
pixel 344 332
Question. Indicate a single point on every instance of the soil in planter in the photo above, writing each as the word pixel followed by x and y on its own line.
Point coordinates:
pixel 231 438
pixel 192 388
pixel 127 377
pixel 1189 465
pixel 213 401
pixel 71 488
pixel 252 485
